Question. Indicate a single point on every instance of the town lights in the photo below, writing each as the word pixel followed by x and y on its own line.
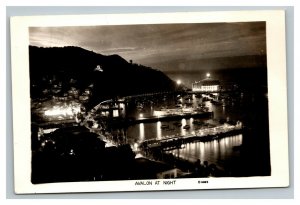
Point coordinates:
pixel 135 146
pixel 63 110
pixel 178 82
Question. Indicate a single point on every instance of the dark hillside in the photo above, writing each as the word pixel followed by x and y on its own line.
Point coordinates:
pixel 54 71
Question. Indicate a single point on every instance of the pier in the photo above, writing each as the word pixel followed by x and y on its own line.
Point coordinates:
pixel 203 135
pixel 171 117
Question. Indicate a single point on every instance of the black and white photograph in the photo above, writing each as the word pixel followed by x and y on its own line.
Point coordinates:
pixel 152 104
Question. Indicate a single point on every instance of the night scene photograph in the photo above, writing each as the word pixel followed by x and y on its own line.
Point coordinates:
pixel 148 101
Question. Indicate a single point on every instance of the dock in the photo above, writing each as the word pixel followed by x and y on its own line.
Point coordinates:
pixel 205 135
pixel 171 117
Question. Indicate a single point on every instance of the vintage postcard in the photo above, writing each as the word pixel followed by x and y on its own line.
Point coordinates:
pixel 140 102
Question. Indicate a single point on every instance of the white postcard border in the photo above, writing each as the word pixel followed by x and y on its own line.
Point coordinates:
pixel 277 94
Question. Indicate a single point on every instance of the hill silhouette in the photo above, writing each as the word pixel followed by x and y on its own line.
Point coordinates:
pixel 109 76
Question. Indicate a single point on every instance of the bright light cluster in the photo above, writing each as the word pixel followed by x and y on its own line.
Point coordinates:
pixel 69 110
pixel 206 88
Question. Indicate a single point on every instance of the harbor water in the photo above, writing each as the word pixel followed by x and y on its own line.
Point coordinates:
pixel 241 153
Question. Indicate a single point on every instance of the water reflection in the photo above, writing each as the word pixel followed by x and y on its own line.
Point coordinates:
pixel 158 130
pixel 223 110
pixel 182 130
pixel 191 123
pixel 216 148
pixel 213 152
pixel 202 152
pixel 142 132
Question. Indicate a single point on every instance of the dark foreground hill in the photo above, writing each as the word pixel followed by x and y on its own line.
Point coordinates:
pixel 54 71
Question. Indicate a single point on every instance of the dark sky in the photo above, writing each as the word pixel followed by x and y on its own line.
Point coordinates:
pixel 167 47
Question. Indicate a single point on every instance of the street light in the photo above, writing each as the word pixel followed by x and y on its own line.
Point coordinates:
pixel 178 87
pixel 208 75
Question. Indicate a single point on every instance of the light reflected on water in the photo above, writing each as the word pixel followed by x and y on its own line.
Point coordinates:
pixel 122 109
pixel 213 151
pixel 223 110
pixel 183 131
pixel 202 151
pixel 215 148
pixel 142 131
pixel 191 123
pixel 209 106
pixel 158 130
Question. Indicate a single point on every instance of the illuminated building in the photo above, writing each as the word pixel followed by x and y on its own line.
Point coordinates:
pixel 206 85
